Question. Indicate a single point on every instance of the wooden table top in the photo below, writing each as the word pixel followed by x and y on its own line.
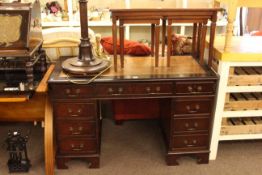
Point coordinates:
pixel 143 69
pixel 245 48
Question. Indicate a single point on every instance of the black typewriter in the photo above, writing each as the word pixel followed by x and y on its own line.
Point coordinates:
pixel 13 77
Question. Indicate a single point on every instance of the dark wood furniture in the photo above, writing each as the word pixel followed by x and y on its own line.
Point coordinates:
pixel 185 92
pixel 18 108
pixel 198 17
pixel 22 38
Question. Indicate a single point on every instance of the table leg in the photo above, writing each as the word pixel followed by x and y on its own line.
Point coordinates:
pixel 169 36
pixel 157 45
pixel 114 33
pixel 211 40
pixel 194 40
pixel 153 39
pixel 199 32
pixel 48 135
pixel 122 37
pixel 163 36
pixel 202 43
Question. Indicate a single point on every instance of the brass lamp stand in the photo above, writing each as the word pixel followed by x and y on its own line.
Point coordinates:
pixel 85 63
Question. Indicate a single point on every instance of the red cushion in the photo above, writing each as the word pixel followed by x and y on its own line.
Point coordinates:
pixel 256 33
pixel 130 47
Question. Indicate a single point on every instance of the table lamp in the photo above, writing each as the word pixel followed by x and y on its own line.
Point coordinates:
pixel 85 63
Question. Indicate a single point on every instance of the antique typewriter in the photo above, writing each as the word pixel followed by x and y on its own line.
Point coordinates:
pixel 22 60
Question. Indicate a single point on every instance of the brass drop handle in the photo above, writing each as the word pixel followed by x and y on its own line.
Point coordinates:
pixel 80 148
pixel 120 90
pixel 189 129
pixel 199 88
pixel 190 88
pixel 195 124
pixel 73 132
pixel 190 145
pixel 68 91
pixel 110 90
pixel 158 89
pixel 69 110
pixel 197 107
pixel 148 89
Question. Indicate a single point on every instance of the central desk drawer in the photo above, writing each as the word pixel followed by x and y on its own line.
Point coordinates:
pixel 121 89
pixel 75 110
pixel 77 146
pixel 76 128
pixel 192 106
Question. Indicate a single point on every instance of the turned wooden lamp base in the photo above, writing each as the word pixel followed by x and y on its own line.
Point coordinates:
pixel 79 67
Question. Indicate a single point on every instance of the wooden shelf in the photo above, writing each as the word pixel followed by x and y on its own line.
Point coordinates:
pixel 244 101
pixel 236 126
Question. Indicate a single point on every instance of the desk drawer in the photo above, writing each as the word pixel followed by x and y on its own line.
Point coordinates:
pixel 87 111
pixel 192 106
pixel 190 142
pixel 77 146
pixel 76 128
pixel 134 89
pixel 71 91
pixel 194 88
pixel 194 124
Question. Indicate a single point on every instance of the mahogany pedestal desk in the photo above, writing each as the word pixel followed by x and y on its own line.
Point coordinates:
pixel 185 93
pixel 21 109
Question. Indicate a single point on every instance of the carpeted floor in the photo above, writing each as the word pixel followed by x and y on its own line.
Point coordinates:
pixel 137 148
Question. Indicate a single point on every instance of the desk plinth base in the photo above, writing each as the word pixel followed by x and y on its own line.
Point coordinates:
pixel 93 160
pixel 202 157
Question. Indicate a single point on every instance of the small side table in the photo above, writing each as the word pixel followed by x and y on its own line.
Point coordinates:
pixel 135 16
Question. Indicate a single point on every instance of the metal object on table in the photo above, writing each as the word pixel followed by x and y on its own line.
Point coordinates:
pixel 85 63
pixel 18 158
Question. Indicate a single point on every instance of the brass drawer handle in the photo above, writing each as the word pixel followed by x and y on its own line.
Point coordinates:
pixel 73 132
pixel 197 107
pixel 80 148
pixel 120 90
pixel 190 145
pixel 190 88
pixel 195 124
pixel 187 127
pixel 158 89
pixel 110 90
pixel 73 95
pixel 148 89
pixel 199 88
